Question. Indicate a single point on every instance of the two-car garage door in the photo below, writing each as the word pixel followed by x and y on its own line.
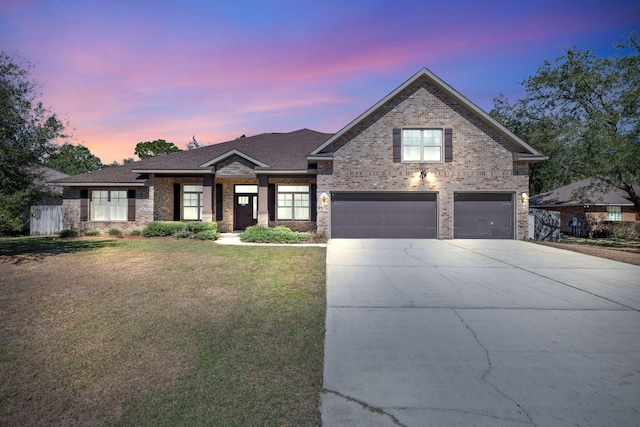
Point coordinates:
pixel 384 215
pixel 415 215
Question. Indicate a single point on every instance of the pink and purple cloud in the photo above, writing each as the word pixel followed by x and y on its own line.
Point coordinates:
pixel 125 72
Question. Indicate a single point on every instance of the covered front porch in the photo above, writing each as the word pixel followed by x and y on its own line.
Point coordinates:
pixel 238 202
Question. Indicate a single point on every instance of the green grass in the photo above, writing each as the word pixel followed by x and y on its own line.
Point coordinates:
pixel 160 332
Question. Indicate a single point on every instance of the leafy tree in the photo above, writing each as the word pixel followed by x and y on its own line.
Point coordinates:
pixel 27 130
pixel 73 159
pixel 145 150
pixel 583 111
pixel 124 162
pixel 193 144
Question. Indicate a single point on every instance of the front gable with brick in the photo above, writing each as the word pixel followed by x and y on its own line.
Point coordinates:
pixel 468 184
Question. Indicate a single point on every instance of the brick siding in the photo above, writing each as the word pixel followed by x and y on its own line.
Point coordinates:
pixel 482 157
pixel 71 211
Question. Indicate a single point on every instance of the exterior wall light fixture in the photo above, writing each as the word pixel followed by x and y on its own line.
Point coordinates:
pixel 324 197
pixel 524 197
pixel 429 176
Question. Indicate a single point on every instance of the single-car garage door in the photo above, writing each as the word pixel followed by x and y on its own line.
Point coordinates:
pixel 483 216
pixel 384 215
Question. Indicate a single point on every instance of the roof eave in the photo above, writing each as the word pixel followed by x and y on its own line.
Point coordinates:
pixel 318 158
pixel 285 171
pixel 184 171
pixel 529 158
pixel 98 184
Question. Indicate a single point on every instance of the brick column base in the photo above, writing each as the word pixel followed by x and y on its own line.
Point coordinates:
pixel 263 219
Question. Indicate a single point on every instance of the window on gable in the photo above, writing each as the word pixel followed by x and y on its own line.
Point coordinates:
pixel 293 202
pixel 109 205
pixel 192 202
pixel 614 213
pixel 422 145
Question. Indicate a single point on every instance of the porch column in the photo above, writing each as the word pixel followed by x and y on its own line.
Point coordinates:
pixel 207 198
pixel 263 200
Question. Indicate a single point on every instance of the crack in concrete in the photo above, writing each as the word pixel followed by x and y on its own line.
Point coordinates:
pixel 489 367
pixel 462 411
pixel 408 295
pixel 366 406
pixel 406 251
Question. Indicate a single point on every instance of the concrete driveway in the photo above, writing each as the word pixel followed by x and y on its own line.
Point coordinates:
pixel 479 333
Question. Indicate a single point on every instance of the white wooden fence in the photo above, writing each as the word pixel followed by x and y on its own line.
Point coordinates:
pixel 45 220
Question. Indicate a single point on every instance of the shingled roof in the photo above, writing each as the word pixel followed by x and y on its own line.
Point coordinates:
pixel 577 194
pixel 270 151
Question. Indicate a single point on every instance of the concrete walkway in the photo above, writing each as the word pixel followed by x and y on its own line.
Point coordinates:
pixel 479 333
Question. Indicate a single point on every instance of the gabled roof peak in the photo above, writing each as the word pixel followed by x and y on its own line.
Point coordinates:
pixel 424 72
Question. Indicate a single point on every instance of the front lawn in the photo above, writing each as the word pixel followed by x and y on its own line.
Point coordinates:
pixel 159 332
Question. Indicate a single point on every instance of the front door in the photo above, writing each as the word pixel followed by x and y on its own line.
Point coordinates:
pixel 245 211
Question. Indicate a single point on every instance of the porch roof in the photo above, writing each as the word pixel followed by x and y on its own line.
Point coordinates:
pixel 269 152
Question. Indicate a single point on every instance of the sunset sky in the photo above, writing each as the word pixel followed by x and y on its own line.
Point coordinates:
pixel 124 71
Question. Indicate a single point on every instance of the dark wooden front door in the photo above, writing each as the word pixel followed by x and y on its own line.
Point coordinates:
pixel 244 211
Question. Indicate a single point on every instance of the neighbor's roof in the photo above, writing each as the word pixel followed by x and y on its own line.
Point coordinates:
pixel 270 152
pixel 564 196
pixel 527 154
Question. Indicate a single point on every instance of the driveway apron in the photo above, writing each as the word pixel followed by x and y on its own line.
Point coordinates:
pixel 478 332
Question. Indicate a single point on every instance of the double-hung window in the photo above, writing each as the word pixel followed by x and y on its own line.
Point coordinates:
pixel 293 202
pixel 192 202
pixel 614 213
pixel 422 145
pixel 109 205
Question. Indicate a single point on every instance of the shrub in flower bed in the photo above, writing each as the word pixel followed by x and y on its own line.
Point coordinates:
pixel 198 230
pixel 115 232
pixel 261 234
pixel 163 228
pixel 68 233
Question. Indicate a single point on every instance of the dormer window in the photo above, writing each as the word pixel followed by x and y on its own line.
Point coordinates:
pixel 422 145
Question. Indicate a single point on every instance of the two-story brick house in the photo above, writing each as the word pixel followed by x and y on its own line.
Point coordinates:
pixel 423 162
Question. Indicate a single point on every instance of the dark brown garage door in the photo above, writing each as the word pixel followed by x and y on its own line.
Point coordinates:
pixel 483 216
pixel 384 215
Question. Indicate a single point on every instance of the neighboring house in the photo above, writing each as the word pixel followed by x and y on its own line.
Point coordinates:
pixel 581 208
pixel 423 162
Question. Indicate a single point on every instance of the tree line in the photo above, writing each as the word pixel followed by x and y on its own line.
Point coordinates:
pixel 581 110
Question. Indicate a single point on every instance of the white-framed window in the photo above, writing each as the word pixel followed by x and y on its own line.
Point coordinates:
pixel 614 213
pixel 422 145
pixel 293 203
pixel 109 205
pixel 192 202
